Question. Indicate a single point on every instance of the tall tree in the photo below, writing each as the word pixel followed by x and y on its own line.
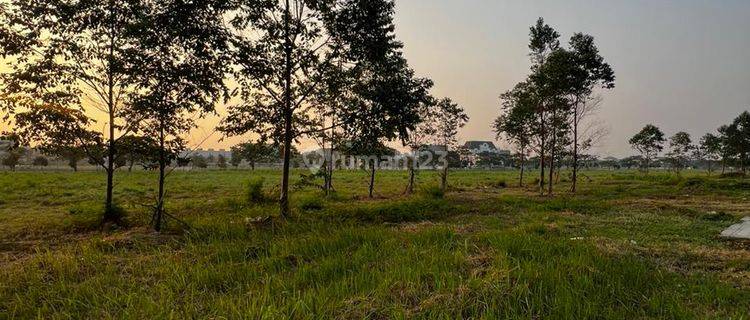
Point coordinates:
pixel 446 119
pixel 544 41
pixel 517 121
pixel 391 99
pixel 254 152
pixel 709 149
pixel 70 69
pixel 134 149
pixel 597 74
pixel 40 161
pixel 681 147
pixel 739 139
pixel 416 140
pixel 283 59
pixel 649 142
pixel 235 159
pixel 727 134
pixel 178 70
pixel 562 82
pixel 72 155
pixel 556 79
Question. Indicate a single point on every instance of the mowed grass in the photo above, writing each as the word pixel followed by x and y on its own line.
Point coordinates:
pixel 627 246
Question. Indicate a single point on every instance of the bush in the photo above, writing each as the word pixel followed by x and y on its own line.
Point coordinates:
pixel 718 216
pixel 40 161
pixel 433 192
pixel 116 211
pixel 255 193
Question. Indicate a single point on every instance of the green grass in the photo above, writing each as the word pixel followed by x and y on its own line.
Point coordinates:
pixel 626 246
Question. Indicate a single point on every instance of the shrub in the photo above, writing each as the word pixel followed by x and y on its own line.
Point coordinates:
pixel 718 216
pixel 40 161
pixel 255 191
pixel 433 192
pixel 116 211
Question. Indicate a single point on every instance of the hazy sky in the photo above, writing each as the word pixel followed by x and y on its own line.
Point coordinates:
pixel 682 65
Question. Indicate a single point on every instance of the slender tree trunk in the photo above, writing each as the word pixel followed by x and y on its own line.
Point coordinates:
pixel 372 179
pixel 742 163
pixel 158 215
pixel 523 166
pixel 284 197
pixel 551 172
pixel 541 155
pixel 575 150
pixel 328 183
pixel 444 175
pixel 326 160
pixel 109 213
pixel 553 145
pixel 331 165
pixel 410 186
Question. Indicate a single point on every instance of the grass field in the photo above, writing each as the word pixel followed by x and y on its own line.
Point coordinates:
pixel 628 246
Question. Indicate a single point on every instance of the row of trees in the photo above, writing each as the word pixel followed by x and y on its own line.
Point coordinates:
pixel 289 69
pixel 730 146
pixel 548 114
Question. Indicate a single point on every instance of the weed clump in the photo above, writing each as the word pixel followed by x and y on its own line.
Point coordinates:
pixel 718 216
pixel 115 212
pixel 433 192
pixel 255 193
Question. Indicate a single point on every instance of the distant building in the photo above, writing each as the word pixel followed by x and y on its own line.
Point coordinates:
pixel 479 147
pixel 485 154
pixel 210 153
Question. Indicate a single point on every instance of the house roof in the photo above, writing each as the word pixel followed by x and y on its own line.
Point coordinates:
pixel 478 144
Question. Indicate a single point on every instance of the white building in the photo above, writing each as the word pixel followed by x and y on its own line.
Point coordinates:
pixel 479 147
pixel 485 154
